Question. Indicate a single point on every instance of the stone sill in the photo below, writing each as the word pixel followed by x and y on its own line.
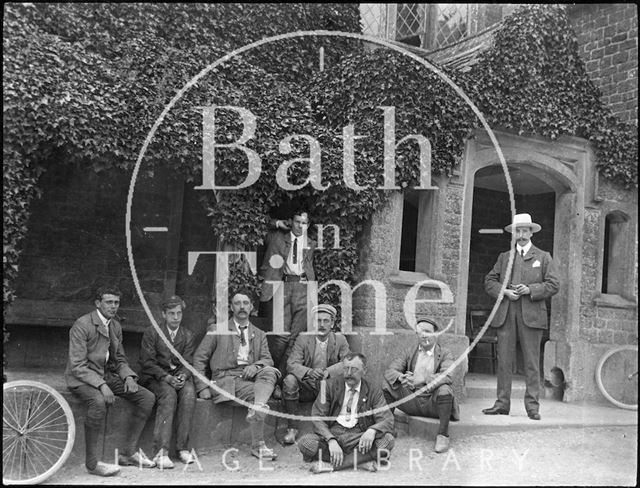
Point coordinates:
pixel 410 278
pixel 614 301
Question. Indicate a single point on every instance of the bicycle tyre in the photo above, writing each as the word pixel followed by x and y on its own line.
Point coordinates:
pixel 601 383
pixel 50 407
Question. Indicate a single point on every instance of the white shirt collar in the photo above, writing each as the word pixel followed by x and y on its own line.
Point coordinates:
pixel 238 326
pixel 429 352
pixel 526 248
pixel 104 320
pixel 357 387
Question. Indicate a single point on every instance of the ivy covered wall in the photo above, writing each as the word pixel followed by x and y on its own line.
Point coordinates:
pixel 84 83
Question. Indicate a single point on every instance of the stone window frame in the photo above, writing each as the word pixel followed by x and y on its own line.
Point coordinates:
pixel 430 214
pixel 624 241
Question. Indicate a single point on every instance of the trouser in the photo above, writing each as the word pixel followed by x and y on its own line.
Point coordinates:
pixel 530 338
pixel 436 405
pixel 310 445
pixel 143 400
pixel 171 402
pixel 256 391
pixel 294 321
pixel 294 392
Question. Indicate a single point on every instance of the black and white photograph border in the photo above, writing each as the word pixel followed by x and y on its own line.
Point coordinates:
pixel 458 181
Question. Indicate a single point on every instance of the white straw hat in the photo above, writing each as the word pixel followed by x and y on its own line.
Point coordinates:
pixel 523 220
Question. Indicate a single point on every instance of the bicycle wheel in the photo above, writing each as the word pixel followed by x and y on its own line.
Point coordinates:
pixel 617 376
pixel 38 432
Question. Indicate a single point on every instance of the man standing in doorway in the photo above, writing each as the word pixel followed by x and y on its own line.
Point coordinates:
pixel 522 313
pixel 289 260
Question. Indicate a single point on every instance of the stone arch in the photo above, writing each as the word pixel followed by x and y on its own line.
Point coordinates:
pixel 560 166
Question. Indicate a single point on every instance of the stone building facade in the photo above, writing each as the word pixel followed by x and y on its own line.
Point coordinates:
pixel 589 225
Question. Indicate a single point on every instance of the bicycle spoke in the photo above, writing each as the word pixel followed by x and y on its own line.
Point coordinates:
pixel 11 413
pixel 31 459
pixel 43 455
pixel 46 444
pixel 46 419
pixel 9 447
pixel 40 406
pixel 10 455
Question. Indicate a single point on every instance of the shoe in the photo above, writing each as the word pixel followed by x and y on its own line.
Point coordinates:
pixel 534 415
pixel 254 415
pixel 104 469
pixel 261 451
pixel 162 460
pixel 370 466
pixel 139 459
pixel 442 443
pixel 290 436
pixel 495 411
pixel 321 467
pixel 186 457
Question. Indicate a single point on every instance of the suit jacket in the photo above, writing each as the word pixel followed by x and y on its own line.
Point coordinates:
pixel 300 360
pixel 157 359
pixel 89 342
pixel 279 243
pixel 220 352
pixel 442 361
pixel 370 398
pixel 539 273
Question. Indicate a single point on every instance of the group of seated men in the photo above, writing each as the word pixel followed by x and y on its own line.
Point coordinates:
pixel 352 417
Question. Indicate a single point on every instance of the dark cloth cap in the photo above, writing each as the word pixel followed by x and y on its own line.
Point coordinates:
pixel 436 327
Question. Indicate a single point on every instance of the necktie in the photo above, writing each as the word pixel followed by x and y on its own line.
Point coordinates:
pixel 173 335
pixel 352 393
pixel 243 340
pixel 295 250
pixel 522 253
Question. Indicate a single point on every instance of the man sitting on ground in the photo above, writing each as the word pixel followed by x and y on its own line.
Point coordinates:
pixel 355 435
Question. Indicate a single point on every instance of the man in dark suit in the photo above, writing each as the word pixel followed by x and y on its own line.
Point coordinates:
pixel 241 367
pixel 97 370
pixel 171 382
pixel 314 358
pixel 420 375
pixel 352 434
pixel 522 313
pixel 288 265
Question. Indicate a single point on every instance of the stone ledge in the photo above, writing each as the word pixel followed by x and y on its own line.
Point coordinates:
pixel 214 426
pixel 614 301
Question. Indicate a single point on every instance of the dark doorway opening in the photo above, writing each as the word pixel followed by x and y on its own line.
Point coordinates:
pixel 491 213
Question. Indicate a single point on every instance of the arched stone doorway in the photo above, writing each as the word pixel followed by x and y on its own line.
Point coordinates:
pixel 548 180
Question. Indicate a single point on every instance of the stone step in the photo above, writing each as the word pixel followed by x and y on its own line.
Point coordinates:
pixel 484 386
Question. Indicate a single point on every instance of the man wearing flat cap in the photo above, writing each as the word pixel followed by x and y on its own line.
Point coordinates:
pixel 421 381
pixel 315 357
pixel 169 379
pixel 522 313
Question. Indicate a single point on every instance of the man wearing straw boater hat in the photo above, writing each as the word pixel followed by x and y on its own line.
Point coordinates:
pixel 522 313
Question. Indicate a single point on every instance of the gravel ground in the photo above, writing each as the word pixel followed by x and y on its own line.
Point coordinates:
pixel 604 456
